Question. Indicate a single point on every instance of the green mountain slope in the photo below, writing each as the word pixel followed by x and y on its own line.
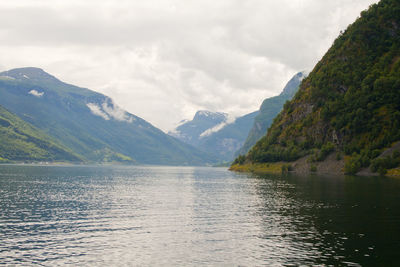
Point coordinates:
pixel 268 111
pixel 89 123
pixel 349 103
pixel 20 141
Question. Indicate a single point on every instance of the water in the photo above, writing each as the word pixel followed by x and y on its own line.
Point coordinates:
pixel 170 216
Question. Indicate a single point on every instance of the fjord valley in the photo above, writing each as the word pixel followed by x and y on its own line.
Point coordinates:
pixel 93 128
pixel 314 169
pixel 215 133
pixel 82 125
pixel 346 114
pixel 226 137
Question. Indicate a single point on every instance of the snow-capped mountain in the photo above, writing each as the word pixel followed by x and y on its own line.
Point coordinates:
pixel 215 132
pixel 190 132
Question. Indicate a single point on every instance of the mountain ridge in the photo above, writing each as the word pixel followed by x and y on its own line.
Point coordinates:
pixel 90 123
pixel 215 132
pixel 190 131
pixel 269 108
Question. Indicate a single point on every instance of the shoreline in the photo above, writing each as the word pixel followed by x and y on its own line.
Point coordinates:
pixel 303 167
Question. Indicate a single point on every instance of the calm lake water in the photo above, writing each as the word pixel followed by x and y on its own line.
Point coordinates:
pixel 184 216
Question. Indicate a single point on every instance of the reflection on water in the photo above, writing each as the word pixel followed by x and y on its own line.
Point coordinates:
pixel 194 216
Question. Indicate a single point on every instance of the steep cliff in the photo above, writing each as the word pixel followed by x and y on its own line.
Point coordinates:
pixel 350 102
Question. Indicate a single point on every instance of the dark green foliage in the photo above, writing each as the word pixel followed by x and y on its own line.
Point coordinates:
pixel 381 165
pixel 239 160
pixel 353 165
pixel 274 154
pixel 325 150
pixel 360 160
pixel 313 168
pixel 351 98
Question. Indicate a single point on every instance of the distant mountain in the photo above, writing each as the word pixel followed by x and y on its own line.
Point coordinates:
pixel 88 123
pixel 227 140
pixel 21 141
pixel 190 131
pixel 346 115
pixel 215 132
pixel 268 111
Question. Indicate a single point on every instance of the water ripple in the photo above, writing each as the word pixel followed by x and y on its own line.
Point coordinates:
pixel 168 216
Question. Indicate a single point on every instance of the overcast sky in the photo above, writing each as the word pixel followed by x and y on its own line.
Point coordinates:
pixel 163 60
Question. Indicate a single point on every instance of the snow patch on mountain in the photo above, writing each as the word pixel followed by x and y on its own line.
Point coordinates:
pixel 5 77
pixel 205 113
pixel 209 115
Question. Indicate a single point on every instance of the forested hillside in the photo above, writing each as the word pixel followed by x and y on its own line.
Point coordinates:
pixel 350 102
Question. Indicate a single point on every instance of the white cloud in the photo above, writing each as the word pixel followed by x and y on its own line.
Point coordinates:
pixel 96 110
pixel 165 59
pixel 36 93
pixel 113 111
pixel 109 110
pixel 218 127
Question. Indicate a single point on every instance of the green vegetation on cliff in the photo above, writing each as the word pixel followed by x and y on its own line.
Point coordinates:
pixel 20 141
pixel 268 111
pixel 349 103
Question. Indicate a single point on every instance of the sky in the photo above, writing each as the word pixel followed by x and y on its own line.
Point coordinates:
pixel 163 60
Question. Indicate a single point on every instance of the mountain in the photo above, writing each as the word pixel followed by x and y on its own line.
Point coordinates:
pixel 88 123
pixel 21 141
pixel 224 142
pixel 190 131
pixel 268 111
pixel 349 105
pixel 215 133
